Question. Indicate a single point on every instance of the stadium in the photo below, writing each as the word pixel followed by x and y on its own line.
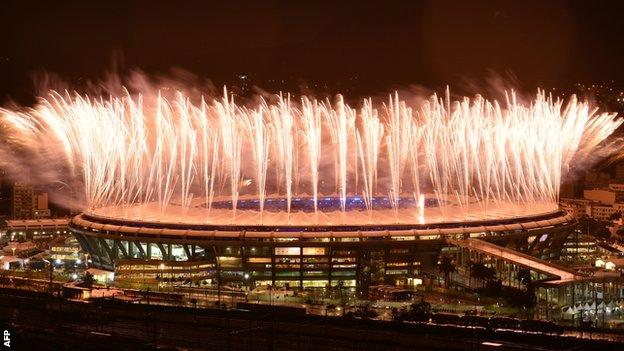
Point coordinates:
pixel 311 193
pixel 354 255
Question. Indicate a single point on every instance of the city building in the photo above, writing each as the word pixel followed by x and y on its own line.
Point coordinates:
pixel 101 276
pixel 598 203
pixel 579 248
pixel 26 203
pixel 15 248
pixel 36 228
pixel 577 208
pixel 619 171
pixel 40 206
pixel 5 194
pixel 597 180
pixel 602 212
pixel 604 196
pixel 67 251
pixel 10 262
pixel 22 198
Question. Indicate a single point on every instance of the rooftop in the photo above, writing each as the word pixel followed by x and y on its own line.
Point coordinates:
pixel 36 223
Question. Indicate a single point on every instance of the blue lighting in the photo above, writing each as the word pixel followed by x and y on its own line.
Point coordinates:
pixel 326 204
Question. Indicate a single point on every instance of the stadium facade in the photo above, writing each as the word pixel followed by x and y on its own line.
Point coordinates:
pixel 301 256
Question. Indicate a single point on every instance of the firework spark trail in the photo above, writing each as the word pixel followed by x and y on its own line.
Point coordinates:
pixel 312 129
pixel 399 128
pixel 341 123
pixel 232 145
pixel 369 140
pixel 415 144
pixel 204 130
pixel 258 135
pixel 142 149
pixel 283 131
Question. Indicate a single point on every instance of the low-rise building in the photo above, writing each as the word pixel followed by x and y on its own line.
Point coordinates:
pixel 10 262
pixel 101 276
pixel 65 251
pixel 575 207
pixel 15 248
pixel 601 212
pixel 604 196
pixel 581 248
pixel 36 228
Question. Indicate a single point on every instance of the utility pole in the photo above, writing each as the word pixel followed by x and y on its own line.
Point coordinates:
pixel 51 269
pixel 604 295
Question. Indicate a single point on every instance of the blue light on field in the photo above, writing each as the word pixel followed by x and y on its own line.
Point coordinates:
pixel 326 204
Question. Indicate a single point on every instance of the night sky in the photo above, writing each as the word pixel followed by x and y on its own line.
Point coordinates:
pixel 370 48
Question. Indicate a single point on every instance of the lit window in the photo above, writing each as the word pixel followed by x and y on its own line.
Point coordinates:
pixel 314 251
pixel 287 251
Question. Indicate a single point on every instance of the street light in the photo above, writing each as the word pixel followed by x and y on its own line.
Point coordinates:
pixel 246 277
pixel 50 272
pixel 162 267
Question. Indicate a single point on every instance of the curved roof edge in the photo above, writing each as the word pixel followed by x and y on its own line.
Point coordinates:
pixel 132 228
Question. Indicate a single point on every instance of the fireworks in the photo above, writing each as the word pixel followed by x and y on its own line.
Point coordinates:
pixel 461 157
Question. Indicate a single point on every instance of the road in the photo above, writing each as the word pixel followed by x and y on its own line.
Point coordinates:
pixel 56 324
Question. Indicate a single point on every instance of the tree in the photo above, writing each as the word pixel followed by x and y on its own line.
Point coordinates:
pixel 615 216
pixel 447 267
pixel 591 226
pixel 519 298
pixel 526 299
pixel 493 288
pixel 471 266
pixel 482 273
pixel 524 277
pixel 365 311
pixel 420 311
pixel 477 270
pixel 88 280
pixel 398 316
